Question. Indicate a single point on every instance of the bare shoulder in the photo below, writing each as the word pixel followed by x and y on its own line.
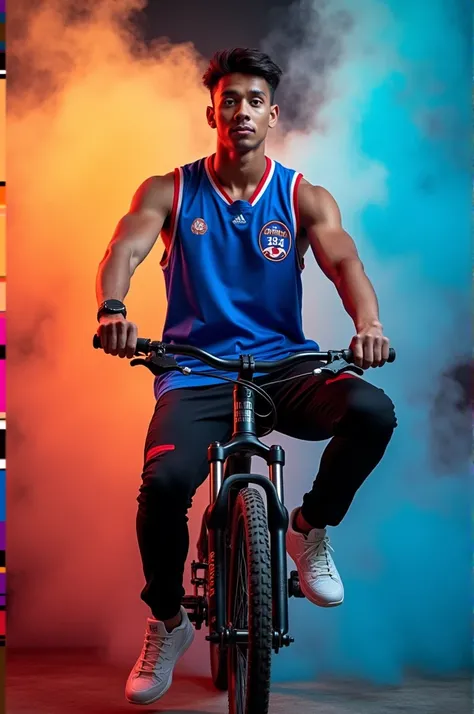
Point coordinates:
pixel 154 194
pixel 316 204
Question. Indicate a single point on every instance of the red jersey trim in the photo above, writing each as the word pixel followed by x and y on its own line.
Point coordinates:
pixel 295 210
pixel 174 215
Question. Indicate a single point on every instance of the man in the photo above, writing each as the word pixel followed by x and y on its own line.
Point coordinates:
pixel 235 228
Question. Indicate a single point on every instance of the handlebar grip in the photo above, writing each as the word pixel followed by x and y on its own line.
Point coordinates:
pixel 349 355
pixel 142 344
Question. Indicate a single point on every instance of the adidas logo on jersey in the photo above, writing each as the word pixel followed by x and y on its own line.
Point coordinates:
pixel 239 220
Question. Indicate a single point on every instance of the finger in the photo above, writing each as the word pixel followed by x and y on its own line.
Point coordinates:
pixel 377 348
pixel 104 338
pixel 122 330
pixel 112 338
pixel 100 334
pixel 131 341
pixel 385 349
pixel 368 352
pixel 356 347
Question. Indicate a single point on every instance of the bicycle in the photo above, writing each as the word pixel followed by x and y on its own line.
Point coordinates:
pixel 242 593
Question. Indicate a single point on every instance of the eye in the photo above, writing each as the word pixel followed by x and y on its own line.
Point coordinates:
pixel 228 102
pixel 256 102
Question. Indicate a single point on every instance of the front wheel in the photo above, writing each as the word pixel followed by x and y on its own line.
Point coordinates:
pixel 250 606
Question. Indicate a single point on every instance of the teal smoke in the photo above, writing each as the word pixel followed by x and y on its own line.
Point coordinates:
pixel 392 146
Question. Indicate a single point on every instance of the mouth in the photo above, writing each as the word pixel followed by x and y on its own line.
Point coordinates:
pixel 242 130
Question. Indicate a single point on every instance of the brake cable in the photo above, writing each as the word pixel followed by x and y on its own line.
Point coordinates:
pixel 258 389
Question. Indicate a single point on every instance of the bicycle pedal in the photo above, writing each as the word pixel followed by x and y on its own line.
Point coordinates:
pixel 196 607
pixel 294 589
pixel 195 565
pixel 198 580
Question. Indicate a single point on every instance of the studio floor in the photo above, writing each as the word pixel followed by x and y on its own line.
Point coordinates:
pixel 79 683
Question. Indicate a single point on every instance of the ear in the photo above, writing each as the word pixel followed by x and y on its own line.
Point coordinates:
pixel 211 117
pixel 274 114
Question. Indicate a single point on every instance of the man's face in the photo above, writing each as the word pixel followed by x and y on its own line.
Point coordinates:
pixel 242 112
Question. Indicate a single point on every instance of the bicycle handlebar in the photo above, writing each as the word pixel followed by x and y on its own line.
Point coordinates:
pixel 145 346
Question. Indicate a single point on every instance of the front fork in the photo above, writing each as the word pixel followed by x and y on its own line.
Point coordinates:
pixel 222 494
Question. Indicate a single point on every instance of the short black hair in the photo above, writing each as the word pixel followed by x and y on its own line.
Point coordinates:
pixel 243 60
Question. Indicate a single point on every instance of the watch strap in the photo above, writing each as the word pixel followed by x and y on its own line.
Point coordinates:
pixel 111 307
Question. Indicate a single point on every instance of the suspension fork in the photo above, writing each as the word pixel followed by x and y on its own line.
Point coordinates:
pixel 221 492
pixel 217 541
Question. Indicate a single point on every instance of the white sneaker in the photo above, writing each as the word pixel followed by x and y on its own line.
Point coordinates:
pixel 152 674
pixel 320 582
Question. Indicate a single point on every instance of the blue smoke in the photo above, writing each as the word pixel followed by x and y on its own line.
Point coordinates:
pixel 393 149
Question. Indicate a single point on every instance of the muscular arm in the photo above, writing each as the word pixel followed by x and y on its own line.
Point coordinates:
pixel 337 256
pixel 134 237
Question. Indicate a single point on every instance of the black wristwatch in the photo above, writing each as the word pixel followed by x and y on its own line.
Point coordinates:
pixel 111 307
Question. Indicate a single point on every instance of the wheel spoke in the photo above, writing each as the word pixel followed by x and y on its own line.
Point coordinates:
pixel 240 622
pixel 242 679
pixel 241 616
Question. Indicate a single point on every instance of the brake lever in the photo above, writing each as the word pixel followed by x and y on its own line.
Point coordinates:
pixel 338 366
pixel 160 364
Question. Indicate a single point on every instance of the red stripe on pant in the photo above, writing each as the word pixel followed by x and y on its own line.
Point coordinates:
pixel 344 375
pixel 157 450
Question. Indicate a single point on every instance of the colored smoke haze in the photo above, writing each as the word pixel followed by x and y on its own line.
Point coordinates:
pixel 387 138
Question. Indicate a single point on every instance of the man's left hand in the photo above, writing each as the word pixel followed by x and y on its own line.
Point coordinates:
pixel 370 346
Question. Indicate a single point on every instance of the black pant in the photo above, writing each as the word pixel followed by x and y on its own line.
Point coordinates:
pixel 359 417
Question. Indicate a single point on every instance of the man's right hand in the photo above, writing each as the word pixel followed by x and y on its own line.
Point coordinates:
pixel 118 336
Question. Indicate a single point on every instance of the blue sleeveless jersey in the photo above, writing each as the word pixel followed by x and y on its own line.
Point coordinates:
pixel 232 271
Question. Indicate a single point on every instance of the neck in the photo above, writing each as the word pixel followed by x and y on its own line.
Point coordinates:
pixel 239 171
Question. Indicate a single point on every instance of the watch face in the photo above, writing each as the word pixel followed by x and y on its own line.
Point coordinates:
pixel 114 305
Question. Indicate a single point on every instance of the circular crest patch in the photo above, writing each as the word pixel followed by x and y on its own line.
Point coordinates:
pixel 199 226
pixel 275 241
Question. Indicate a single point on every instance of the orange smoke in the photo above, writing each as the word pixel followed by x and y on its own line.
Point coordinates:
pixel 78 418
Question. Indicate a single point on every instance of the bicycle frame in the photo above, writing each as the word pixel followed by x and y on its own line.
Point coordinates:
pixel 243 445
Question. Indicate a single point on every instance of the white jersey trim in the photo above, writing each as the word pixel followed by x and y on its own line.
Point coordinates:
pixel 293 199
pixel 255 198
pixel 213 183
pixel 266 184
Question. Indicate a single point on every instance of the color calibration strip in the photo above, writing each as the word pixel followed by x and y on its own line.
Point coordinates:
pixel 3 423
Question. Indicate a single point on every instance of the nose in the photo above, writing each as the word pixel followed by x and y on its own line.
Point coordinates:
pixel 242 112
